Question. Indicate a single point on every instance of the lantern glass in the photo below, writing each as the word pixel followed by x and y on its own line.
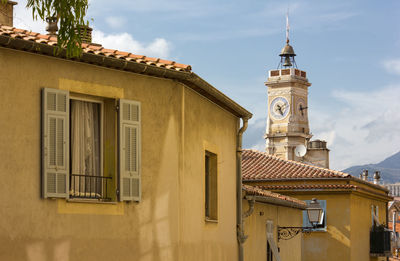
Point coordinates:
pixel 314 212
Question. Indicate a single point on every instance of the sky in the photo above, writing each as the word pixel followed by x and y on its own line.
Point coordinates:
pixel 349 48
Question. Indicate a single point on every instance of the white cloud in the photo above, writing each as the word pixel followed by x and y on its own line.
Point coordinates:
pixel 159 47
pixel 23 19
pixel 115 21
pixel 392 66
pixel 364 129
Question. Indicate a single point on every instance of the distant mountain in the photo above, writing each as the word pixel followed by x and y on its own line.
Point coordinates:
pixel 389 168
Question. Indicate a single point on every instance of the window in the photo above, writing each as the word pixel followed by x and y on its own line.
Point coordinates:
pixel 321 226
pixel 86 173
pixel 211 186
pixel 73 131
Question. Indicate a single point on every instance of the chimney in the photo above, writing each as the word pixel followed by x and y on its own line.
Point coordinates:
pixel 86 34
pixel 7 12
pixel 365 174
pixel 377 177
pixel 52 26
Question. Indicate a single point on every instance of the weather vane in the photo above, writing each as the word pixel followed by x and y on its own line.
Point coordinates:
pixel 287 54
pixel 287 26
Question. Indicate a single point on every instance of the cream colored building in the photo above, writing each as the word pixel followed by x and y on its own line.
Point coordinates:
pixel 157 179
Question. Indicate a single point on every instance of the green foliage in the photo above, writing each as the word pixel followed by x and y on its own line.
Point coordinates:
pixel 70 15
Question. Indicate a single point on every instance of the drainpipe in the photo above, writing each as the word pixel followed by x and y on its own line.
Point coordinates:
pixel 239 220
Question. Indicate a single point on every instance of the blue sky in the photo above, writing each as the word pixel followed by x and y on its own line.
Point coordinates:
pixel 350 50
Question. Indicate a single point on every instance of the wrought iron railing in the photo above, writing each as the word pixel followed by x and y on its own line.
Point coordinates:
pixel 89 187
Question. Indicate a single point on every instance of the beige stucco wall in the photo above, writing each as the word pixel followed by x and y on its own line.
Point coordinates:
pixel 168 224
pixel 255 247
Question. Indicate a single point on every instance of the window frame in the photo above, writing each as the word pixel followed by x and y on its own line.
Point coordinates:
pixel 210 177
pixel 78 97
pixel 100 101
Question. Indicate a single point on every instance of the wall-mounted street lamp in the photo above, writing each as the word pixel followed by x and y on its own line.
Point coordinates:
pixel 314 213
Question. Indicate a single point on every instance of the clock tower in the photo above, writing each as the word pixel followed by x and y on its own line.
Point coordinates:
pixel 288 128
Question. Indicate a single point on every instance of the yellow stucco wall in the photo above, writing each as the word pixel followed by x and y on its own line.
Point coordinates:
pixel 360 225
pixel 255 247
pixel 348 218
pixel 334 243
pixel 168 224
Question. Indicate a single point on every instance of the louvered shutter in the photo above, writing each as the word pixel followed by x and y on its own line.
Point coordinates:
pixel 129 150
pixel 55 143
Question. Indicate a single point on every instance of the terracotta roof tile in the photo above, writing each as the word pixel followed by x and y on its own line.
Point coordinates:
pixel 258 165
pixel 135 56
pixel 42 36
pixel 258 191
pixel 93 48
pixel 122 53
pixel 151 59
pixel 309 187
pixel 17 30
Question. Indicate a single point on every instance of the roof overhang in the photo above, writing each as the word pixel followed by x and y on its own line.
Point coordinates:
pixel 189 79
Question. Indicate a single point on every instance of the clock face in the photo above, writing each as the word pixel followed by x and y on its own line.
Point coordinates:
pixel 279 108
pixel 301 108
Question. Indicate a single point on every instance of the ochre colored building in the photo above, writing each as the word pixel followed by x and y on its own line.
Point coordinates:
pixel 151 177
pixel 264 213
pixel 351 206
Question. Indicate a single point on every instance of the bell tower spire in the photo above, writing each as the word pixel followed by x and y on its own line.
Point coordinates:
pixel 287 54
pixel 287 124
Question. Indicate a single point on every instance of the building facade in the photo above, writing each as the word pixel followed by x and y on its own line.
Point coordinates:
pixel 114 156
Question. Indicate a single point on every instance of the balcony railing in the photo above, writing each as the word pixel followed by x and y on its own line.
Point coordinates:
pixel 379 242
pixel 89 187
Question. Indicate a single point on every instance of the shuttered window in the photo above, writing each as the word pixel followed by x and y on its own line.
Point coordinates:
pixel 56 144
pixel 129 150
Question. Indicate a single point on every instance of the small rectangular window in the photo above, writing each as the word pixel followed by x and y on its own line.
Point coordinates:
pixel 321 226
pixel 211 186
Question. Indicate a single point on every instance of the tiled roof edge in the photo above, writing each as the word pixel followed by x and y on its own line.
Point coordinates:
pixel 336 172
pixel 27 41
pixel 273 198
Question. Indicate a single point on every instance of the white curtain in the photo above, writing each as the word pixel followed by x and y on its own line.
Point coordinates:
pixel 85 146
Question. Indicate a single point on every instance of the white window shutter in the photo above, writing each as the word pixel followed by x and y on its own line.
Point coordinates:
pixel 129 135
pixel 55 143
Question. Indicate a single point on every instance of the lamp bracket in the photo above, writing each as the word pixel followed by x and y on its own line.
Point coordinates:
pixel 287 233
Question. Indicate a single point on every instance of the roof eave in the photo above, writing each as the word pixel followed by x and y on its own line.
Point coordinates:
pixel 349 177
pixel 278 202
pixel 190 79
